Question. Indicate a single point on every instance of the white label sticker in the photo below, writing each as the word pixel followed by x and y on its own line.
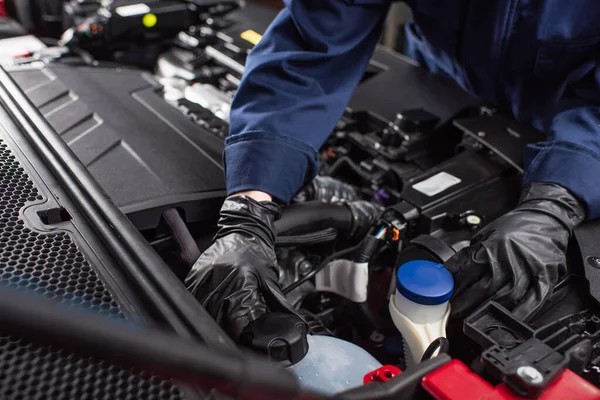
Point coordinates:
pixel 436 184
pixel 133 9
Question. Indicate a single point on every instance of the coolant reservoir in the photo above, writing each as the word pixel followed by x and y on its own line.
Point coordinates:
pixel 333 365
pixel 420 307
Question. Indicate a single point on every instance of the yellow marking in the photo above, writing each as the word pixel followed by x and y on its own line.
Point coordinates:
pixel 149 20
pixel 251 36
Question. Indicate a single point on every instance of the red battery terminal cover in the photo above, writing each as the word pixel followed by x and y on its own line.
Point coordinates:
pixel 454 381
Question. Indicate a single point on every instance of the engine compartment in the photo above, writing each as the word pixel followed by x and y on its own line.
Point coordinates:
pixel 429 182
pixel 403 178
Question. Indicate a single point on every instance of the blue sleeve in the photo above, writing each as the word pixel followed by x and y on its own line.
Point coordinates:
pixel 297 83
pixel 571 155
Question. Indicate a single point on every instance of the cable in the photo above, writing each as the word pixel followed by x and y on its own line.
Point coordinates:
pixel 315 325
pixel 86 56
pixel 381 234
pixel 440 343
pixel 320 267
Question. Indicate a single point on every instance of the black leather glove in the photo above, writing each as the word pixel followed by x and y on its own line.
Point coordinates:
pixel 517 259
pixel 327 190
pixel 236 279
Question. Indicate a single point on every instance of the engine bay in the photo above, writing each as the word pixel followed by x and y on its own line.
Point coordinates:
pixel 409 174
pixel 421 184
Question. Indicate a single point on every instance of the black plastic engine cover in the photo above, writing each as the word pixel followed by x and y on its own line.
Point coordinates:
pixel 145 153
pixel 392 82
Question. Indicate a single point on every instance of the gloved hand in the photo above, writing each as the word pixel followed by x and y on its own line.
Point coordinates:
pixel 236 279
pixel 517 259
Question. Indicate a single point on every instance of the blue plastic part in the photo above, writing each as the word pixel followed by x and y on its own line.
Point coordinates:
pixel 424 282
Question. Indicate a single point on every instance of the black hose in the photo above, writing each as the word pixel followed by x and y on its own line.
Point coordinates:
pixel 320 267
pixel 307 239
pixel 369 316
pixel 440 343
pixel 176 227
pixel 312 216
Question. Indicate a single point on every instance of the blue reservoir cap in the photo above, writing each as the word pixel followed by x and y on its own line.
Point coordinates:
pixel 424 282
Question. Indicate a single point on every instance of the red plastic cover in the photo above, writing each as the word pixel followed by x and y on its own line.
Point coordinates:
pixel 454 381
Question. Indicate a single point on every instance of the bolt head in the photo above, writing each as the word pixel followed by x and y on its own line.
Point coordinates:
pixel 594 261
pixel 473 219
pixel 530 374
pixel 377 337
pixel 305 267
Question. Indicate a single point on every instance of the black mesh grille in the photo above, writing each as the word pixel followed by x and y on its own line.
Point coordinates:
pixel 32 372
pixel 45 264
pixel 51 265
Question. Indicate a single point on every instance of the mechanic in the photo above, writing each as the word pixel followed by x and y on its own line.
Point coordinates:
pixel 536 58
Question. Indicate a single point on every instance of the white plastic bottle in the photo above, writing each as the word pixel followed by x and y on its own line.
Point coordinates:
pixel 333 365
pixel 420 307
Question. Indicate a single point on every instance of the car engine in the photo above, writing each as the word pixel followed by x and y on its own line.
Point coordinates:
pixel 409 173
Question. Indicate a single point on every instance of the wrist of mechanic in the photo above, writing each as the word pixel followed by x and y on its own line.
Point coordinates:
pixel 255 195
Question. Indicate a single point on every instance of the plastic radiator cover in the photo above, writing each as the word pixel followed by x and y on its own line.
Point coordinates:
pixel 66 262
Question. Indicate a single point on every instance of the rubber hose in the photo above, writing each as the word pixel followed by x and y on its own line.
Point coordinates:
pixel 176 227
pixel 307 239
pixel 314 216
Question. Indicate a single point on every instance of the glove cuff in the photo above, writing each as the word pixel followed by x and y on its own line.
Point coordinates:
pixel 243 213
pixel 268 209
pixel 553 200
